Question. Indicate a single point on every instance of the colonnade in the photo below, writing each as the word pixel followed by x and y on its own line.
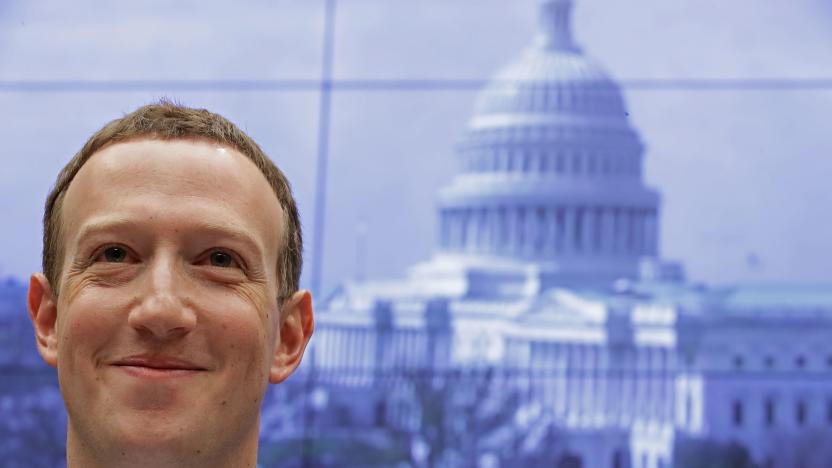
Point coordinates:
pixel 509 158
pixel 591 385
pixel 352 354
pixel 542 230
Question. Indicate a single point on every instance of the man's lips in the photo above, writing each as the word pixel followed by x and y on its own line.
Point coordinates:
pixel 157 366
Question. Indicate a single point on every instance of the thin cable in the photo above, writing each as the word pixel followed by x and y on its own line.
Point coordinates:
pixel 328 85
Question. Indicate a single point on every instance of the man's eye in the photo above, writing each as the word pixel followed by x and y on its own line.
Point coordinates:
pixel 114 254
pixel 219 258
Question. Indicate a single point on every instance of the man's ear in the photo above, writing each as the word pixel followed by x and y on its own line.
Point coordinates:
pixel 296 326
pixel 43 310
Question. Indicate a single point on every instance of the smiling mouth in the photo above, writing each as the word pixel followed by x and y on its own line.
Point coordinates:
pixel 157 367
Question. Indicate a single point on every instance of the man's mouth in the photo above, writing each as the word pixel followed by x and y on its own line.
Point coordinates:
pixel 157 366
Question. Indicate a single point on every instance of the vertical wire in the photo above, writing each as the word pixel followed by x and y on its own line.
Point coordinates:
pixel 323 146
pixel 320 208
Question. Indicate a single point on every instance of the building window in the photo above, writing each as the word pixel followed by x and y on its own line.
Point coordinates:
pixel 738 362
pixel 619 459
pixel 737 413
pixel 829 411
pixel 800 361
pixel 769 362
pixel 829 361
pixel 800 413
pixel 769 412
pixel 380 415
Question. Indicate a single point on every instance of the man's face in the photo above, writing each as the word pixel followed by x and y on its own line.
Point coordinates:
pixel 168 324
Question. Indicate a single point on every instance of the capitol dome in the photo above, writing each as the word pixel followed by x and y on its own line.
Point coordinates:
pixel 552 169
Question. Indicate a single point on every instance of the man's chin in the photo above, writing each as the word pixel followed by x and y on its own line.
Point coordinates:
pixel 158 430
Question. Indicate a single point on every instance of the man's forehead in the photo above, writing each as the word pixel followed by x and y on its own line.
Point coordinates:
pixel 187 172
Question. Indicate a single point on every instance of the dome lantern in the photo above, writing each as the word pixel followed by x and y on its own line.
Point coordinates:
pixel 556 25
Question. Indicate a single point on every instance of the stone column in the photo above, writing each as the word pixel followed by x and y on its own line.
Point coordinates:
pixel 462 216
pixel 444 229
pixel 542 221
pixel 493 229
pixel 502 227
pixel 532 230
pixel 640 249
pixel 482 230
pixel 561 379
pixel 602 381
pixel 588 231
pixel 622 227
pixel 551 231
pixel 560 230
pixel 571 389
pixel 587 370
pixel 568 230
pixel 607 229
pixel 651 233
pixel 511 229
pixel 521 233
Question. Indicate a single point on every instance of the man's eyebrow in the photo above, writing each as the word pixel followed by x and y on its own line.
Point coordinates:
pixel 230 231
pixel 104 225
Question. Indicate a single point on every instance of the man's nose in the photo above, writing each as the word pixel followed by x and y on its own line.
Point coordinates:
pixel 163 311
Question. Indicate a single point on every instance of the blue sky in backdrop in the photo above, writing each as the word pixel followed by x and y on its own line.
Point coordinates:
pixel 745 173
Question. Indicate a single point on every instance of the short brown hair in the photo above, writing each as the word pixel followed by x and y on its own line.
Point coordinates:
pixel 166 120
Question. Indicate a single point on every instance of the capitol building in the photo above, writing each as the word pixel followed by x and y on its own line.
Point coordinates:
pixel 548 268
